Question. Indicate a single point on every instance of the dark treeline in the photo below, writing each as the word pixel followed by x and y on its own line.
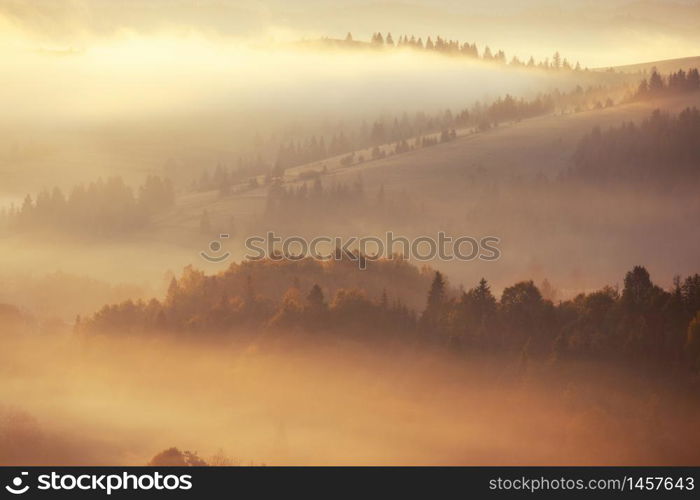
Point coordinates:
pixel 662 148
pixel 641 324
pixel 284 292
pixel 671 84
pixel 444 46
pixel 100 208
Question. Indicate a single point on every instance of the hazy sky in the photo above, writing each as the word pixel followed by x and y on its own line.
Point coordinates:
pixel 596 32
pixel 215 67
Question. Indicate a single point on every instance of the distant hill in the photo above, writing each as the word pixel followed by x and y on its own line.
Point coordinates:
pixel 665 66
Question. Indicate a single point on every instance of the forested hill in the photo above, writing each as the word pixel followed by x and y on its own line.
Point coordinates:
pixel 641 323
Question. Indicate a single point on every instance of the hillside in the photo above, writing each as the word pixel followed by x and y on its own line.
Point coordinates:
pixel 664 66
pixel 542 144
pixel 474 185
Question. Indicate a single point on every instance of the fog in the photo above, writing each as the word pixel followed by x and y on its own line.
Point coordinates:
pixel 298 401
pixel 150 77
pixel 599 33
pixel 143 131
pixel 128 105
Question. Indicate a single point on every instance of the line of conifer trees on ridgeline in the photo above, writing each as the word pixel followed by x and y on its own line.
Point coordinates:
pixel 101 208
pixel 453 48
pixel 392 134
pixel 642 323
pixel 675 83
pixel 662 148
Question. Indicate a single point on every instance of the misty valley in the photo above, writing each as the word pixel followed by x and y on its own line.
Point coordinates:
pixel 148 153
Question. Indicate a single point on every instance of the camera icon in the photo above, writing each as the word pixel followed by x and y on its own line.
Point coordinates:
pixel 215 246
pixel 16 487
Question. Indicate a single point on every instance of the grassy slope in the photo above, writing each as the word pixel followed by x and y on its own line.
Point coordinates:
pixel 664 66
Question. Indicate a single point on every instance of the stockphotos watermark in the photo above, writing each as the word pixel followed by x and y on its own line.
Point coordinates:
pixel 362 249
pixel 102 483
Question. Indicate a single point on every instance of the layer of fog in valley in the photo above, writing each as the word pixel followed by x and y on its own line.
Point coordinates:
pixel 301 401
pixel 137 140
pixel 132 106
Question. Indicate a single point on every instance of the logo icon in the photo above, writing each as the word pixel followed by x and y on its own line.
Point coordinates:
pixel 215 247
pixel 16 487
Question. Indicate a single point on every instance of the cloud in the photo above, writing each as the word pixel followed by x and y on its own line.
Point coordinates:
pixel 595 32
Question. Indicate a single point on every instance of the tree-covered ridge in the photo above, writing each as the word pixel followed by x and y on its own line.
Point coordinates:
pixel 642 323
pixel 674 83
pixel 267 293
pixel 444 46
pixel 101 208
pixel 662 148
